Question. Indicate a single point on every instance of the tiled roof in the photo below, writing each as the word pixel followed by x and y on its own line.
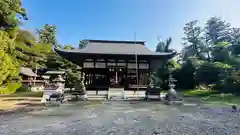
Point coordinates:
pixel 27 71
pixel 114 47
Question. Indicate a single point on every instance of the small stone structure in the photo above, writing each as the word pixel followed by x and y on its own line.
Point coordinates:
pixel 172 97
pixel 55 92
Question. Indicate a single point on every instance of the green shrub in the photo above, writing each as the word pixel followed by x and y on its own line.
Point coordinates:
pixel 24 94
pixel 230 84
pixel 185 76
pixel 11 88
pixel 29 94
pixel 24 88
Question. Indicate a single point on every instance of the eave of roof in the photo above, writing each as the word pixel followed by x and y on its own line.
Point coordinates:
pixel 27 72
pixel 108 47
pixel 79 51
pixel 116 41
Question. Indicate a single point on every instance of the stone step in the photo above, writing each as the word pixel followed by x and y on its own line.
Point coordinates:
pixel 116 89
pixel 116 97
pixel 116 93
pixel 97 97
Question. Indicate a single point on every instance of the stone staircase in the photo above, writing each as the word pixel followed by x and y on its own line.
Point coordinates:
pixel 92 95
pixel 116 93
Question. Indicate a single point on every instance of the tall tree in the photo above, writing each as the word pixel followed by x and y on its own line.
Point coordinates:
pixel 25 50
pixel 217 30
pixel 192 39
pixel 163 46
pixel 47 34
pixel 8 62
pixel 235 36
pixel 11 13
pixel 58 63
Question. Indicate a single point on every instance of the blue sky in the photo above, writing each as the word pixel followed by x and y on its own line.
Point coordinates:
pixel 119 19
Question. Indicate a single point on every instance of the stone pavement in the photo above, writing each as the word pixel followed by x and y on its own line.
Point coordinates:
pixel 123 118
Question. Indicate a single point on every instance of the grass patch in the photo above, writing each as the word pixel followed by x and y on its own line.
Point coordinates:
pixel 213 96
pixel 199 93
pixel 24 94
pixel 223 98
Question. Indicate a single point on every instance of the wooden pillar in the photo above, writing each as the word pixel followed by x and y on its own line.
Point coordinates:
pixel 106 60
pixel 138 72
pixel 126 78
pixel 94 72
pixel 149 71
pixel 116 75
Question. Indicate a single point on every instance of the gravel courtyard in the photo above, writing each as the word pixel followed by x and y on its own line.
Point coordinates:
pixel 124 118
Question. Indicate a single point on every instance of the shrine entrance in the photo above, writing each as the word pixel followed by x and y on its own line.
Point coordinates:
pixel 117 77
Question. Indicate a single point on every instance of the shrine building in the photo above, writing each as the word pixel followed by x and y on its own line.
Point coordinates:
pixel 116 64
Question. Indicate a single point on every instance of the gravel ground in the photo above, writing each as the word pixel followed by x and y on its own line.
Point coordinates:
pixel 124 118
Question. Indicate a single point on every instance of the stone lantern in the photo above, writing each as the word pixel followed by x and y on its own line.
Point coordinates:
pixel 59 83
pixel 54 93
pixel 172 96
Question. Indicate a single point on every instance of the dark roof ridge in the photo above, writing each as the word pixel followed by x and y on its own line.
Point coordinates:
pixel 116 41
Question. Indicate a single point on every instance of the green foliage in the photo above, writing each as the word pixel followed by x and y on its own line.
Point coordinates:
pixel 8 63
pixel 217 30
pixel 185 76
pixel 10 88
pixel 79 83
pixel 68 47
pixel 173 64
pixel 54 61
pixel 192 39
pixel 47 34
pixel 211 73
pixel 11 13
pixel 199 93
pixel 24 88
pixel 24 94
pixel 163 46
pixel 72 75
pixel 20 48
pixel 230 83
pixel 216 51
pixel 155 81
pixel 223 98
